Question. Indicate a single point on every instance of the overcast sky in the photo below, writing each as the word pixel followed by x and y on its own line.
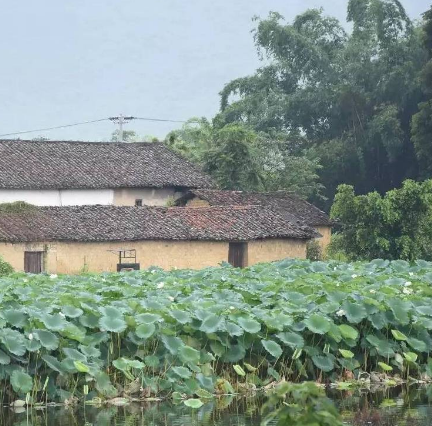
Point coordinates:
pixel 74 60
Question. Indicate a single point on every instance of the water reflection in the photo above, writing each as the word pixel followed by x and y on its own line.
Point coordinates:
pixel 392 407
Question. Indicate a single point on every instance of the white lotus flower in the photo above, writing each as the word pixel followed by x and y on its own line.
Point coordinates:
pixel 411 274
pixel 232 307
pixel 372 291
pixel 407 291
pixel 30 336
pixel 171 298
pixel 354 276
pixel 62 314
pixel 160 285
pixel 53 276
pixel 408 283
pixel 340 312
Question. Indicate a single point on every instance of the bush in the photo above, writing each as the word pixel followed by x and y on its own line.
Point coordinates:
pixel 5 268
pixel 314 250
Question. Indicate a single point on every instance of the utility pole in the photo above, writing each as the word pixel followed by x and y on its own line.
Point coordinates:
pixel 121 120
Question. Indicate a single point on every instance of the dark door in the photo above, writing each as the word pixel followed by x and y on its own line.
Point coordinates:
pixel 237 254
pixel 33 262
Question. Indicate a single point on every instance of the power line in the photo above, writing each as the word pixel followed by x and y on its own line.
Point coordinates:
pixel 54 128
pixel 119 119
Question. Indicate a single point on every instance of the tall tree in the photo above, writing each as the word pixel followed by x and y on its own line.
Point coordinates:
pixel 422 121
pixel 350 95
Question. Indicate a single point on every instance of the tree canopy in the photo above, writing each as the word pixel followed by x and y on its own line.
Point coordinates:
pixel 350 97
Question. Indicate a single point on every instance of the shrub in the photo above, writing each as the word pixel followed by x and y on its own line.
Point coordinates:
pixel 5 268
pixel 314 250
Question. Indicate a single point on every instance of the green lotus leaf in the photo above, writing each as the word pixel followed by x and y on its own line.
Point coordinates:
pixel 21 382
pixel 188 354
pixel 398 335
pixel 239 370
pixel 146 330
pixel 346 354
pixel 182 372
pixel 181 316
pixel 81 367
pixel 193 403
pixel 272 348
pixel 293 340
pixel 54 322
pixel 14 317
pixel 111 312
pixel 53 363
pixel 401 310
pixel 211 324
pixel 74 354
pixel 172 343
pixel 348 332
pixel 354 312
pixel 417 345
pixel 4 358
pixel 318 324
pixel 72 312
pixel 47 339
pixel 13 341
pixel 147 318
pixel 385 366
pixel 324 363
pixel 233 329
pixel 249 325
pixel 113 324
pixel 410 356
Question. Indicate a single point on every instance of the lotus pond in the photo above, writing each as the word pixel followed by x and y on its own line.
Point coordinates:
pixel 186 336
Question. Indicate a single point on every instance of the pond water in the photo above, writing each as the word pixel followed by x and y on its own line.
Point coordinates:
pixel 392 407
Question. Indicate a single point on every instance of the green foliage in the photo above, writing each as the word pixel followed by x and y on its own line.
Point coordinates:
pixel 204 332
pixel 5 267
pixel 313 250
pixel 421 127
pixel 232 158
pixel 395 226
pixel 300 404
pixel 350 96
pixel 17 207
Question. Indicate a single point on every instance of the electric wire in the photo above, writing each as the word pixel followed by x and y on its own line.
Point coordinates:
pixel 89 122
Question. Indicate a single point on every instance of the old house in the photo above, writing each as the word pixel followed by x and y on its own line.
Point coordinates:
pixel 288 205
pixel 86 173
pixel 94 238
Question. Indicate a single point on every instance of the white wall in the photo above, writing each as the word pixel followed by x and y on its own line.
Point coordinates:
pixel 54 197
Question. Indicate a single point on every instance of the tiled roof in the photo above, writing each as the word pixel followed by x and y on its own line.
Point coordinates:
pixel 79 165
pixel 290 206
pixel 109 223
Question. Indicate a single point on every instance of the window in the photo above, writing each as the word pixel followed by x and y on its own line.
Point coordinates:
pixel 33 262
pixel 237 254
pixel 138 202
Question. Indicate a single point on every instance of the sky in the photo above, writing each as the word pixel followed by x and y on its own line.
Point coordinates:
pixel 70 61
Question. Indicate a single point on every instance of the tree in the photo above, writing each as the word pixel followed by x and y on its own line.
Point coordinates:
pixel 397 225
pixel 351 96
pixel 422 121
pixel 240 158
pixel 232 158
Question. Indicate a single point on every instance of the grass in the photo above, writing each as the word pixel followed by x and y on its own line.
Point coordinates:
pixel 194 334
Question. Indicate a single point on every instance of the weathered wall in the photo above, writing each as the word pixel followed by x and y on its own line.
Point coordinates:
pixel 73 257
pixel 79 197
pixel 324 241
pixel 149 196
pixel 55 197
pixel 275 249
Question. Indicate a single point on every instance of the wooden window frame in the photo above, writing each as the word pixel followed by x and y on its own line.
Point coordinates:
pixel 29 267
